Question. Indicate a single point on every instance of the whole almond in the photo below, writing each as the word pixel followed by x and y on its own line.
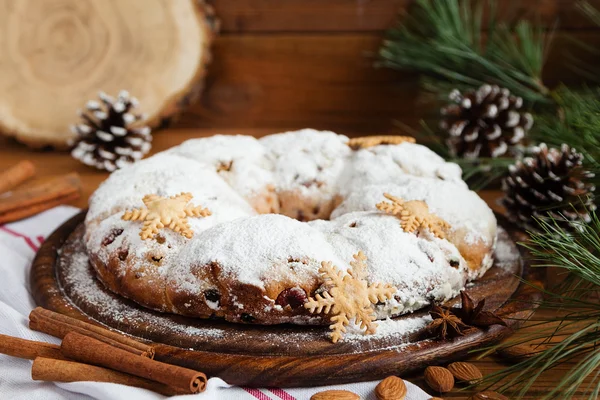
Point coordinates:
pixel 391 388
pixel 335 395
pixel 488 395
pixel 465 372
pixel 439 379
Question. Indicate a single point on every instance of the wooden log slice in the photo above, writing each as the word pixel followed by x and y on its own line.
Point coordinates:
pixel 55 55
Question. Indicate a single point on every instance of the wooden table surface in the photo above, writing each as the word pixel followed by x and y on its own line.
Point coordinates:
pixel 50 164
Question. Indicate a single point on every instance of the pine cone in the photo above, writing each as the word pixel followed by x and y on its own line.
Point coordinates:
pixel 484 123
pixel 551 183
pixel 105 138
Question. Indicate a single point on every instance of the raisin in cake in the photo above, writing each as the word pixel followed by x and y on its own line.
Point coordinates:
pixel 280 205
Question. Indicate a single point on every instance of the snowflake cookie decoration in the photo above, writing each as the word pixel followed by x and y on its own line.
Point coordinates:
pixel 349 296
pixel 414 214
pixel 170 212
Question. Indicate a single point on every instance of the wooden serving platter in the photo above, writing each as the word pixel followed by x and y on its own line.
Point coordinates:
pixel 281 355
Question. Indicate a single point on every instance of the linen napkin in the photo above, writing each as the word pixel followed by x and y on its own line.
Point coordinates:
pixel 19 242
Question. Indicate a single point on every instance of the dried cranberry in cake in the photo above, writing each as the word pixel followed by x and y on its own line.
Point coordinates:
pixel 122 254
pixel 312 183
pixel 301 217
pixel 112 235
pixel 155 257
pixel 294 297
pixel 302 260
pixel 247 318
pixel 212 295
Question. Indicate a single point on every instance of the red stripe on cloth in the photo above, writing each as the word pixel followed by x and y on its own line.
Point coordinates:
pixel 282 394
pixel 27 239
pixel 40 239
pixel 257 393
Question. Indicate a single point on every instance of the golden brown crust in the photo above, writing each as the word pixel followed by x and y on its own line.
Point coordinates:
pixel 473 251
pixel 232 300
pixel 370 141
pixel 266 202
pixel 306 208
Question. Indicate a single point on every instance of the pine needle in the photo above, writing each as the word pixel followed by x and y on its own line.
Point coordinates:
pixel 443 41
pixel 575 332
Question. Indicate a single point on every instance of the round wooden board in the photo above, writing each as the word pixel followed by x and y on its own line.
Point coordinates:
pixel 282 355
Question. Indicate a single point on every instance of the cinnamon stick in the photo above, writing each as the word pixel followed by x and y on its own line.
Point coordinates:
pixel 29 349
pixel 58 325
pixel 16 175
pixel 91 351
pixel 35 199
pixel 47 369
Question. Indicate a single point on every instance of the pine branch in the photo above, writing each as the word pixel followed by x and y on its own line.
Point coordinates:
pixel 574 335
pixel 442 40
pixel 589 11
pixel 585 69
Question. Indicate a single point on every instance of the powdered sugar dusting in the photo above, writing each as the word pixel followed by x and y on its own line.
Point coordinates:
pixel 84 288
pixel 78 279
pixel 383 164
pixel 278 237
pixel 506 251
pixel 419 266
pixel 306 156
pixel 223 172
pixel 460 207
pixel 390 328
pixel 241 160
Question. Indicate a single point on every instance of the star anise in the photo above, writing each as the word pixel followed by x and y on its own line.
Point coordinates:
pixel 474 315
pixel 445 324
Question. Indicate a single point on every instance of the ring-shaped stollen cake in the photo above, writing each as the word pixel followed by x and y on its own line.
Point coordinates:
pixel 280 206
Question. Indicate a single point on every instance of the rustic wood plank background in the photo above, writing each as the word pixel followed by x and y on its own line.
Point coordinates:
pixel 297 63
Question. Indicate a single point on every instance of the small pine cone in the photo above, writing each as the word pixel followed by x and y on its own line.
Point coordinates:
pixel 551 183
pixel 486 122
pixel 105 137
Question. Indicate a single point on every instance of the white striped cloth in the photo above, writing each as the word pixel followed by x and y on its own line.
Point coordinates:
pixel 18 243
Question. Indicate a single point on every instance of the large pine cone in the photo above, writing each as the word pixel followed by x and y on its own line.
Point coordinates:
pixel 108 137
pixel 484 123
pixel 551 183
